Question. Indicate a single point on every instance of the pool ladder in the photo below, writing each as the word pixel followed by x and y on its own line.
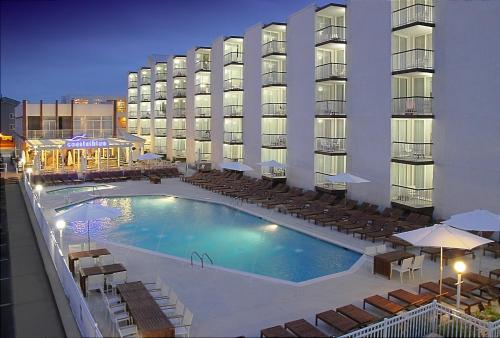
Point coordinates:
pixel 201 258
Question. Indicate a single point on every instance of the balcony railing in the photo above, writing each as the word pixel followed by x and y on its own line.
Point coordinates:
pixel 94 133
pixel 132 114
pixel 274 140
pixel 321 181
pixel 145 80
pixel 179 133
pixel 233 57
pixel 232 158
pixel 418 58
pixel 179 72
pixel 161 94
pixel 160 149
pixel 47 134
pixel 179 112
pixel 234 110
pixel 233 84
pixel 233 137
pixel 413 197
pixel 412 105
pixel 160 113
pixel 161 76
pixel 417 13
pixel 202 88
pixel 132 130
pixel 274 78
pixel 274 109
pixel 330 34
pixel 202 135
pixel 330 70
pixel 202 111
pixel 132 99
pixel 330 144
pixel 180 153
pixel 160 131
pixel 145 114
pixel 330 107
pixel 179 92
pixel 132 84
pixel 145 97
pixel 145 131
pixel 274 47
pixel 204 156
pixel 202 65
pixel 412 151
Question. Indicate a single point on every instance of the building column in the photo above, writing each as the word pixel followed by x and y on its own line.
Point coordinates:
pixel 98 159
pixel 129 156
pixel 118 149
pixel 107 159
pixel 57 159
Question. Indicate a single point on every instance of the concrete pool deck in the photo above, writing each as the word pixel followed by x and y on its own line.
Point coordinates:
pixel 227 303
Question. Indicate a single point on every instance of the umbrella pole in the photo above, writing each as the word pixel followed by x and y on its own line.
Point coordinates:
pixel 441 274
pixel 88 234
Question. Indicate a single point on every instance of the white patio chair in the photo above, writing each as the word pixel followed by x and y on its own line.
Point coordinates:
pixel 86 262
pixel 168 303
pixel 118 316
pixel 112 302
pixel 156 286
pixel 370 252
pixel 162 293
pixel 182 330
pixel 118 278
pixel 404 267
pixel 106 260
pixel 418 265
pixel 86 246
pixel 95 282
pixel 175 314
pixel 381 249
pixel 128 331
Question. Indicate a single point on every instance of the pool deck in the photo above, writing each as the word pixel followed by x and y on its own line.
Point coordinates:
pixel 227 303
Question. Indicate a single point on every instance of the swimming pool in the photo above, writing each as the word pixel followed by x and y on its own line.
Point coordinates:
pixel 82 188
pixel 233 239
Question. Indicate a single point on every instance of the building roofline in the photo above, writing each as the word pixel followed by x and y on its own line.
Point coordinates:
pixel 9 100
pixel 274 24
pixel 233 37
pixel 330 5
pixel 201 47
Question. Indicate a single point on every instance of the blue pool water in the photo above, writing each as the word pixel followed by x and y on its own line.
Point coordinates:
pixel 82 188
pixel 234 239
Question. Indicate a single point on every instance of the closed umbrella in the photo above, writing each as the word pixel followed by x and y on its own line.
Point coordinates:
pixel 88 212
pixel 443 236
pixel 346 178
pixel 236 166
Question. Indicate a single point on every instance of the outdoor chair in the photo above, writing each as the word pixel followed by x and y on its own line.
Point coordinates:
pixel 177 313
pixel 95 282
pixel 86 262
pixel 182 329
pixel 383 304
pixel 411 299
pixel 170 302
pixel 355 313
pixel 337 321
pixel 117 279
pixel 106 260
pixel 404 267
pixel 417 265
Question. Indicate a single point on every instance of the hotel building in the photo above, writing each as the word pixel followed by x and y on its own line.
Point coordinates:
pixel 399 92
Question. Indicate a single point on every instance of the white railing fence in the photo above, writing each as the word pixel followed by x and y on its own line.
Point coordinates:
pixel 84 319
pixel 433 318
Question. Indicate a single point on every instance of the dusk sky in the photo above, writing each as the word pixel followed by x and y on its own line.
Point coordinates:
pixel 55 48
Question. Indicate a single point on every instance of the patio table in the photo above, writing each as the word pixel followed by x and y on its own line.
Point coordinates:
pixel 98 270
pixel 73 256
pixel 382 262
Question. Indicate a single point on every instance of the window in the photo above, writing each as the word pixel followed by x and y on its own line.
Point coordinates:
pixel 11 115
pixel 11 127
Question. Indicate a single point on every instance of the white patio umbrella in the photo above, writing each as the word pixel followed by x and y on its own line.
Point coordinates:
pixel 88 212
pixel 236 166
pixel 443 236
pixel 148 157
pixel 346 178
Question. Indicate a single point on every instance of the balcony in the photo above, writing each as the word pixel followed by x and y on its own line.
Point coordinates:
pixel 202 88
pixel 160 113
pixel 274 47
pixel 234 110
pixel 274 109
pixel 161 76
pixel 204 157
pixel 331 71
pixel 321 182
pixel 132 99
pixel 132 84
pixel 412 151
pixel 233 57
pixel 330 145
pixel 160 131
pixel 179 112
pixel 330 107
pixel 178 72
pixel 412 105
pixel 233 84
pixel 145 80
pixel 233 137
pixel 417 14
pixel 49 134
pixel 274 140
pixel 145 97
pixel 132 130
pixel 132 114
pixel 160 94
pixel 145 114
pixel 412 197
pixel 161 149
pixel 202 111
pixel 231 158
pixel 274 79
pixel 330 34
pixel 179 133
pixel 202 66
pixel 145 131
pixel 202 135
pixel 413 60
pixel 179 92
pixel 179 153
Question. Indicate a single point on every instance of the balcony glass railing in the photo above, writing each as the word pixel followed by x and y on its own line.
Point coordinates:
pixel 145 114
pixel 145 97
pixel 274 47
pixel 161 94
pixel 233 84
pixel 180 153
pixel 412 105
pixel 414 197
pixel 202 88
pixel 330 107
pixel 132 84
pixel 161 149
pixel 132 99
pixel 321 181
pixel 160 131
pixel 274 140
pixel 132 130
pixel 233 158
pixel 274 109
pixel 179 112
pixel 233 137
pixel 160 113
pixel 204 156
pixel 412 151
pixel 233 57
pixel 274 78
pixel 145 80
pixel 202 111
pixel 47 134
pixel 422 59
pixel 181 71
pixel 202 135
pixel 132 114
pixel 330 70
pixel 417 13
pixel 330 34
pixel 202 65
pixel 234 110
pixel 179 92
pixel 179 133
pixel 161 76
pixel 330 144
pixel 145 131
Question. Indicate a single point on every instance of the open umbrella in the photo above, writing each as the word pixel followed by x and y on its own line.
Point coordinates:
pixel 89 212
pixel 346 178
pixel 148 157
pixel 443 236
pixel 236 166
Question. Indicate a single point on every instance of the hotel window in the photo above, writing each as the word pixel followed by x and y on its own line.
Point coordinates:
pixel 11 127
pixel 11 115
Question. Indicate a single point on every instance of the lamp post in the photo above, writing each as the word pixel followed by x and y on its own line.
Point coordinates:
pixel 460 269
pixel 38 189
pixel 60 225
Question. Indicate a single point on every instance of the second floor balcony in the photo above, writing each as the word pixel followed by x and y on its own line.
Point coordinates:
pixel 179 71
pixel 179 133
pixel 145 80
pixel 412 151
pixel 412 105
pixel 202 88
pixel 145 97
pixel 273 140
pixel 145 131
pixel 179 112
pixel 331 71
pixel 145 114
pixel 49 134
pixel 412 196
pixel 332 33
pixel 160 113
pixel 179 92
pixel 202 65
pixel 132 129
pixel 160 94
pixel 274 47
pixel 413 60
pixel 132 114
pixel 414 14
pixel 233 84
pixel 132 99
pixel 233 57
pixel 132 83
pixel 274 79
pixel 179 153
pixel 160 131
pixel 233 110
pixel 233 137
pixel 330 107
pixel 274 109
pixel 330 145
pixel 161 76
pixel 202 135
pixel 202 111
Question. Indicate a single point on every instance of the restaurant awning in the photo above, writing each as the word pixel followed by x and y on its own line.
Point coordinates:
pixel 59 143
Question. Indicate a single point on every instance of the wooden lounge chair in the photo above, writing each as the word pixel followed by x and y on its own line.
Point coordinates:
pixel 493 248
pixel 411 299
pixel 396 242
pixel 456 253
pixel 495 273
pixel 337 321
pixel 302 328
pixel 275 332
pixel 451 294
pixel 466 289
pixel 384 232
pixel 383 304
pixel 359 315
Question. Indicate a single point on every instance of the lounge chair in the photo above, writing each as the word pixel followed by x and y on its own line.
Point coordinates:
pixel 456 253
pixel 397 242
pixel 275 332
pixel 495 273
pixel 336 320
pixel 466 289
pixel 450 294
pixel 383 304
pixel 494 248
pixel 359 315
pixel 302 328
pixel 411 299
pixel 386 231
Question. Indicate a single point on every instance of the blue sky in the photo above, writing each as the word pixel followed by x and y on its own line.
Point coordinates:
pixel 53 48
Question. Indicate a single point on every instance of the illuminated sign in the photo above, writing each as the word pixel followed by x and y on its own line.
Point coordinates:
pixel 81 142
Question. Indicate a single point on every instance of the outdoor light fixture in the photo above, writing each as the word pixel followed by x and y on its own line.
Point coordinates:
pixel 460 269
pixel 39 188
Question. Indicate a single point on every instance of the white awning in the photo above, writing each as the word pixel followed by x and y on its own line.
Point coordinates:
pixel 59 143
